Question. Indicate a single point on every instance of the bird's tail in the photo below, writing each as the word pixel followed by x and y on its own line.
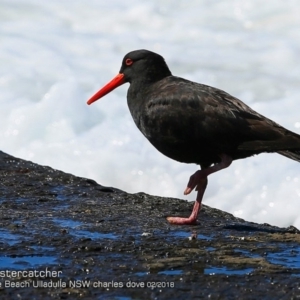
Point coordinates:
pixel 292 154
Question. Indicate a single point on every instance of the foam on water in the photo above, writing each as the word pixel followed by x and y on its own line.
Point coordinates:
pixel 54 55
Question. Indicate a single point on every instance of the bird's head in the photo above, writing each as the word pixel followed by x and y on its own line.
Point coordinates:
pixel 137 66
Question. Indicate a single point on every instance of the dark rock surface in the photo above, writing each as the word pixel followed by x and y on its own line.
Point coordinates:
pixel 121 245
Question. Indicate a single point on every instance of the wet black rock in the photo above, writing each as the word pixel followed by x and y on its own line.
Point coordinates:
pixel 107 244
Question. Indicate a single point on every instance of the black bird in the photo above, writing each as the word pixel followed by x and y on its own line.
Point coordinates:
pixel 195 123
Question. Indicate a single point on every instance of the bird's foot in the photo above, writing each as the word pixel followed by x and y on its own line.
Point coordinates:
pixel 195 180
pixel 191 220
pixel 182 221
pixel 199 177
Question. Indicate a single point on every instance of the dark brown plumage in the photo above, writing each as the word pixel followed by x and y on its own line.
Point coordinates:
pixel 195 123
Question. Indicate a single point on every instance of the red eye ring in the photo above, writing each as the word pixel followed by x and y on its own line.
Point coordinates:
pixel 128 61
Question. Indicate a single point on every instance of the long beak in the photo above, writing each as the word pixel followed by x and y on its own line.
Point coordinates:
pixel 114 83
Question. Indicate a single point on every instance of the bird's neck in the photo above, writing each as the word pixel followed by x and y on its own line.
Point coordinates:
pixel 155 73
pixel 141 84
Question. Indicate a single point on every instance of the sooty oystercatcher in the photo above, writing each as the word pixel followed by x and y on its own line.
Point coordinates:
pixel 195 123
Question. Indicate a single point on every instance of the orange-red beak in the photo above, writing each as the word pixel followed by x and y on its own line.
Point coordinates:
pixel 114 83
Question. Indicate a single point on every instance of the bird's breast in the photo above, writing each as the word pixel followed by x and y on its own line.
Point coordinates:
pixel 173 133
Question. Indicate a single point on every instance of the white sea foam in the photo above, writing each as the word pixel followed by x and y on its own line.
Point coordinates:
pixel 54 55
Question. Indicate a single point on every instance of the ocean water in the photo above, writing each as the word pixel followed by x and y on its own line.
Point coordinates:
pixel 54 55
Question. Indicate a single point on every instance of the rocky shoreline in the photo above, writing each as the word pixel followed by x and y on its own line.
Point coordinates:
pixel 66 237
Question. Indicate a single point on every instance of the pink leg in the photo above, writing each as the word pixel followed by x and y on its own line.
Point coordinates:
pixel 199 181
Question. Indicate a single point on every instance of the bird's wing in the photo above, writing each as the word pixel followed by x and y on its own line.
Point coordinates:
pixel 222 118
pixel 257 132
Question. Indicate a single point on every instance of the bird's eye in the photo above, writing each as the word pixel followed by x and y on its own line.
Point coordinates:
pixel 128 62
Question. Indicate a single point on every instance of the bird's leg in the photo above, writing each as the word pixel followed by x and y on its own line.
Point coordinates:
pixel 199 181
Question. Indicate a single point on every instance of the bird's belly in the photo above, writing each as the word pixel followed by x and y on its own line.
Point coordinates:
pixel 180 144
pixel 178 137
pixel 186 152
